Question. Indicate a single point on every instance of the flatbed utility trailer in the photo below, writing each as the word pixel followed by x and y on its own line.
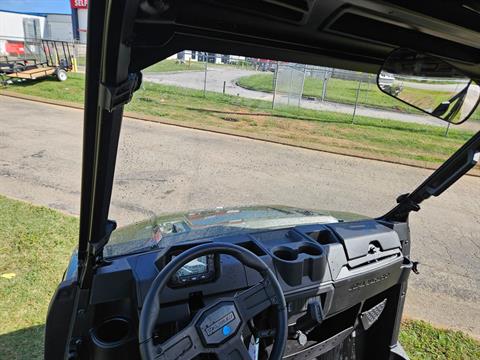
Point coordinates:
pixel 33 74
pixel 10 65
pixel 56 59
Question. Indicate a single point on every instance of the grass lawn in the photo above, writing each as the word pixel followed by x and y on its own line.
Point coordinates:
pixel 172 66
pixel 167 65
pixel 35 244
pixel 423 341
pixel 370 137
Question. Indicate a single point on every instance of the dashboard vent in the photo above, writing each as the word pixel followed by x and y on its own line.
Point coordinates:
pixel 290 10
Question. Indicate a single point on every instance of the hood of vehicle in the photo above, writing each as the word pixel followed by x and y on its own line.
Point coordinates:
pixel 194 225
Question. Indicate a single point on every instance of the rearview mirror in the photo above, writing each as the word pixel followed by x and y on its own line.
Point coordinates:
pixel 429 84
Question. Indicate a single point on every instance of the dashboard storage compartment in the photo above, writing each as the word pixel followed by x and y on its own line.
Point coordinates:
pixel 113 338
pixel 362 238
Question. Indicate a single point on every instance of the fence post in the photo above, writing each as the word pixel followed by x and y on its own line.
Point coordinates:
pixel 448 128
pixel 356 101
pixel 274 85
pixel 290 85
pixel 303 85
pixel 205 78
pixel 324 84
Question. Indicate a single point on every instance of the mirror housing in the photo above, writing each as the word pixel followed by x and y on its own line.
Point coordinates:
pixel 429 84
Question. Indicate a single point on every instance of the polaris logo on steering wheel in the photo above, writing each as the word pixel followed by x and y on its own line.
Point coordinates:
pixel 220 323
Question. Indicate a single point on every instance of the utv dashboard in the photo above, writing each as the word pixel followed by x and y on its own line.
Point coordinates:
pixel 355 272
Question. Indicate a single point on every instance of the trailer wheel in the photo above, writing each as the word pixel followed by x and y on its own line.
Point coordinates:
pixel 61 75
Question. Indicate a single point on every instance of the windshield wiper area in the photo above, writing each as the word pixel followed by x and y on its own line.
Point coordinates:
pixel 445 176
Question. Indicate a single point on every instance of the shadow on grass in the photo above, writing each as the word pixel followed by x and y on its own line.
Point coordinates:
pixel 23 344
pixel 30 82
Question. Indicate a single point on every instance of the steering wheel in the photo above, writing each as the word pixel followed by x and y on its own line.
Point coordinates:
pixel 215 329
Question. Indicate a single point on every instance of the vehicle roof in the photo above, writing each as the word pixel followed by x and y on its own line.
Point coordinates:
pixel 355 35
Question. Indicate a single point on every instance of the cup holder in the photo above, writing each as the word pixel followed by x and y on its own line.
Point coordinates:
pixel 112 339
pixel 305 259
pixel 286 254
pixel 290 254
pixel 112 330
pixel 310 250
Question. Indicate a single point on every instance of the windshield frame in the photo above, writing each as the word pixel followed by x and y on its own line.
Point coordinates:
pixel 120 45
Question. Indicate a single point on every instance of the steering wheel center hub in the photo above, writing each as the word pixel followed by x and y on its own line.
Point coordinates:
pixel 219 323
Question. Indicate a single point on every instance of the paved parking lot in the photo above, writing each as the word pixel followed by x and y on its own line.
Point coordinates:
pixel 165 168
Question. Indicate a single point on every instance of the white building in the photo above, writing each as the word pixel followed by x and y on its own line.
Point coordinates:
pixel 21 30
pixel 59 27
pixel 192 55
pixel 80 19
pixel 17 26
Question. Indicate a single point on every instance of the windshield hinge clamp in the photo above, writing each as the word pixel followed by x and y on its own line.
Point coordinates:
pixel 405 201
pixel 415 267
pixel 113 96
pixel 96 248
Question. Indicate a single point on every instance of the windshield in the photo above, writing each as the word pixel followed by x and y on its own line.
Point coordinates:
pixel 163 231
pixel 260 142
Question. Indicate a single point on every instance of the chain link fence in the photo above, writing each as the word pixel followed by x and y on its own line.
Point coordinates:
pixel 288 84
pixel 256 84
pixel 340 95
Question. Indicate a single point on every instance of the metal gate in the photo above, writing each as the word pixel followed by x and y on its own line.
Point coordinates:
pixel 289 81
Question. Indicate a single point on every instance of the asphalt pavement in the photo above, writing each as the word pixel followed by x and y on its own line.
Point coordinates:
pixel 165 168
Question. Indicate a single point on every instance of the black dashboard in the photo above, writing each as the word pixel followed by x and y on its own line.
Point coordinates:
pixel 346 268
